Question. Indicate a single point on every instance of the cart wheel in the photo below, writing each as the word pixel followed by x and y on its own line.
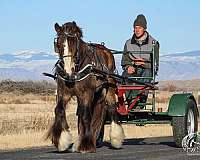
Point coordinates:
pixel 185 125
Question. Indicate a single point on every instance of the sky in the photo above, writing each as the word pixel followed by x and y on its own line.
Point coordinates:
pixel 29 24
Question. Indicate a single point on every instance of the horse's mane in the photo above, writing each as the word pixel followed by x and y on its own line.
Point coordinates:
pixel 100 46
pixel 71 27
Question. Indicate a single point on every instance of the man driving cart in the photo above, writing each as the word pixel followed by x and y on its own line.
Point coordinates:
pixel 137 65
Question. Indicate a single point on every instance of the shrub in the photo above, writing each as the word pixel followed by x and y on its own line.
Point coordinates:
pixel 170 87
pixel 26 87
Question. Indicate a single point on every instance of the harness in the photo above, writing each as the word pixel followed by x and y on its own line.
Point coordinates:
pixel 95 68
pixel 81 72
pixel 59 50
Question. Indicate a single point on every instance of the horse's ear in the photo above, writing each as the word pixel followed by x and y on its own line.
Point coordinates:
pixel 57 27
pixel 74 22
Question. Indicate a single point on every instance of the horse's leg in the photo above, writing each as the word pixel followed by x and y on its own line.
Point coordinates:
pixel 85 142
pixel 98 118
pixel 59 132
pixel 116 131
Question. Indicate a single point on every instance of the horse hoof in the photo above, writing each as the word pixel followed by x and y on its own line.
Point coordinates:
pixel 116 135
pixel 87 150
pixel 75 146
pixel 64 141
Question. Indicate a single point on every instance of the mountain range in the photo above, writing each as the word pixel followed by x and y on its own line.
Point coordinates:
pixel 29 65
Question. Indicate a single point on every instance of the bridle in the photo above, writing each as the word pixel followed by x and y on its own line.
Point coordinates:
pixel 60 49
pixel 81 71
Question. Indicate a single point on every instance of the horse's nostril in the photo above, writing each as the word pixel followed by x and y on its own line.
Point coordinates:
pixel 73 69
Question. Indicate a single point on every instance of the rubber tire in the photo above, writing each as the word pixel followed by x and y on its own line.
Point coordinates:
pixel 180 124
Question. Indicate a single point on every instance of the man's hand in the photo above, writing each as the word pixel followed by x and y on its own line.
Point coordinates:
pixel 139 61
pixel 130 70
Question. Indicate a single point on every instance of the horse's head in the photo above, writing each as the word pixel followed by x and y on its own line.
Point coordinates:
pixel 67 45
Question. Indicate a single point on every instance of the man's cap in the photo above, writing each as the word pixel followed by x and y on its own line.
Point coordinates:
pixel 140 21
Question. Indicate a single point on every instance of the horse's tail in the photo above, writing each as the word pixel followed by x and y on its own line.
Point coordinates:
pixel 59 132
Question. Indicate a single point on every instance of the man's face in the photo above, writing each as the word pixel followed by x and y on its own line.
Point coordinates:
pixel 139 31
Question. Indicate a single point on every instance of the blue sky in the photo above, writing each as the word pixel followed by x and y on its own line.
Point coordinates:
pixel 29 24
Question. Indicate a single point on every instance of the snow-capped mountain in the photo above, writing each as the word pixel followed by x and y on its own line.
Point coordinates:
pixel 26 65
pixel 29 65
pixel 180 66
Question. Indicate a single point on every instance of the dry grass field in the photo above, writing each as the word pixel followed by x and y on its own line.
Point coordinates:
pixel 25 119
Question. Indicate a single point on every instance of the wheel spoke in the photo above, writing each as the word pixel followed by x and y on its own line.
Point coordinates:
pixel 190 121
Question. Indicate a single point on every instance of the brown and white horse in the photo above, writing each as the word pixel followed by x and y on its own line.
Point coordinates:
pixel 95 95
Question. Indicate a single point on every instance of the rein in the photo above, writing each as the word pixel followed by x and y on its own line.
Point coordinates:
pixel 90 69
pixel 79 76
pixel 90 53
pixel 79 61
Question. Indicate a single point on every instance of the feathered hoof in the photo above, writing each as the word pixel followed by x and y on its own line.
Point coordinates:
pixel 86 146
pixel 116 135
pixel 87 149
pixel 65 141
pixel 75 146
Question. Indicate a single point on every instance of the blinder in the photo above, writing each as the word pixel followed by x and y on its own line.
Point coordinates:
pixel 56 49
pixel 77 56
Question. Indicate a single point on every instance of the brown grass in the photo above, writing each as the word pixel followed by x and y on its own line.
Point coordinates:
pixel 10 98
pixel 35 122
pixel 170 87
pixel 24 139
pixel 182 85
pixel 164 100
pixel 24 124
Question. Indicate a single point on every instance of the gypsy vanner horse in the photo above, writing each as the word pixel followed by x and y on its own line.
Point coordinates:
pixel 95 94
